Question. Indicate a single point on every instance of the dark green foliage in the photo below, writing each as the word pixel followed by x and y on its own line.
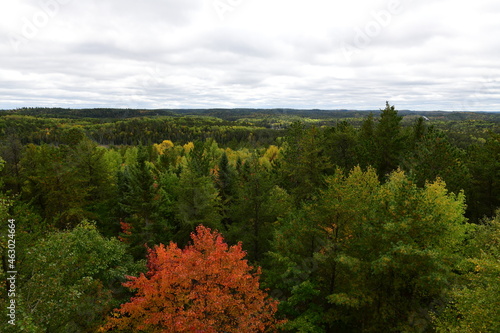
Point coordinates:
pixel 11 150
pixel 53 185
pixel 145 205
pixel 388 141
pixel 304 161
pixel 435 157
pixel 483 162
pixel 341 146
pixel 257 205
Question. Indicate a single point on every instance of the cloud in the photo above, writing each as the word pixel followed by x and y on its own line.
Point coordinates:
pixel 419 55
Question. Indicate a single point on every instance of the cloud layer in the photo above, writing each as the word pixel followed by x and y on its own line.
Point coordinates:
pixel 420 55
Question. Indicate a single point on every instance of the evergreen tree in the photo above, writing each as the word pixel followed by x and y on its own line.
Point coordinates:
pixel 198 201
pixel 259 202
pixel 144 203
pixel 54 185
pixel 483 161
pixel 341 146
pixel 388 141
pixel 304 162
pixel 367 151
pixel 434 156
pixel 225 185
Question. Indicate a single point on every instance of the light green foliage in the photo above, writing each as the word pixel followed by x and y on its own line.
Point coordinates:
pixel 113 159
pixel 384 253
pixel 67 280
pixel 474 305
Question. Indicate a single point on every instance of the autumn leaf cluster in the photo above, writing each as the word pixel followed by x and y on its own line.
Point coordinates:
pixel 205 287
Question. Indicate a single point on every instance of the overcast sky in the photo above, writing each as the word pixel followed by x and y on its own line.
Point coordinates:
pixel 327 54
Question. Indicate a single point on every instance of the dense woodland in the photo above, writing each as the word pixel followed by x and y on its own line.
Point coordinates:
pixel 252 220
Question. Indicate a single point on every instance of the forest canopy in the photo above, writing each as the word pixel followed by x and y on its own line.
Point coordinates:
pixel 250 220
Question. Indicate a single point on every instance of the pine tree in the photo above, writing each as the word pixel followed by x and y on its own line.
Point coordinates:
pixel 388 141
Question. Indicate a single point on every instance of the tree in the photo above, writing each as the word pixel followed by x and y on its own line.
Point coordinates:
pixel 205 287
pixel 257 206
pixel 225 186
pixel 341 145
pixel 198 201
pixel 66 280
pixel 304 161
pixel 144 203
pixel 379 256
pixel 54 185
pixel 388 141
pixel 366 149
pixel 11 151
pixel 473 306
pixel 484 164
pixel 434 156
pixel 96 175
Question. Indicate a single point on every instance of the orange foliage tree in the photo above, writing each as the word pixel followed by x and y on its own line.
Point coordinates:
pixel 206 287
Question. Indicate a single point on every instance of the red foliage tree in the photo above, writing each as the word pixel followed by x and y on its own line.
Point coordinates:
pixel 206 287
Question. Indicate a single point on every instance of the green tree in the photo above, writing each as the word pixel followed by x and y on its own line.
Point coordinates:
pixel 474 302
pixel 434 156
pixel 380 255
pixel 225 182
pixel 388 141
pixel 293 273
pixel 304 162
pixel 198 201
pixel 258 204
pixel 367 152
pixel 11 150
pixel 54 185
pixel 67 280
pixel 96 177
pixel 483 161
pixel 341 146
pixel 145 204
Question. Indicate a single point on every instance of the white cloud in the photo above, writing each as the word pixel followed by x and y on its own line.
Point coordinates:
pixel 421 55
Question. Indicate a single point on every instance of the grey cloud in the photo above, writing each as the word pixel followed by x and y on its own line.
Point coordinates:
pixel 178 54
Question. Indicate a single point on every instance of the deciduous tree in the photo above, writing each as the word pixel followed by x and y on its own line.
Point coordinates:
pixel 205 287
